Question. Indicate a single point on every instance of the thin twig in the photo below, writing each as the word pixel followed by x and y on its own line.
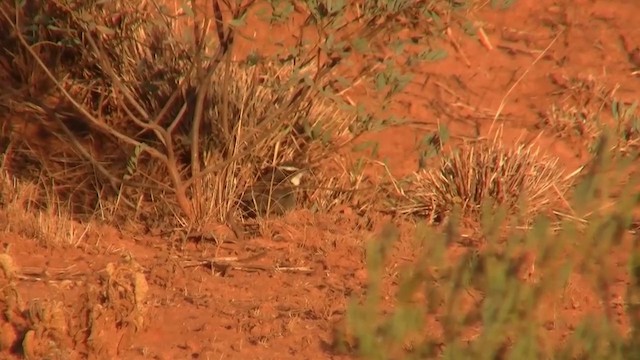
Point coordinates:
pixel 503 102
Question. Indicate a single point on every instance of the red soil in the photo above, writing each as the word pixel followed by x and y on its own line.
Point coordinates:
pixel 193 313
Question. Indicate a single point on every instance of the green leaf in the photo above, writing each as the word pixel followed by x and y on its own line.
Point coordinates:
pixel 361 45
pixel 502 4
pixel 433 15
pixel 469 28
pixel 443 132
pixel 280 15
pixel 615 109
pixel 253 58
pixel 397 47
pixel 239 22
pixel 631 110
pixel 380 81
pixel 186 7
pixel 433 55
pixel 367 145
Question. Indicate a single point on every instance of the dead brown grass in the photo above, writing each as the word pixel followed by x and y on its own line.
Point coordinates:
pixel 484 176
pixel 587 107
pixel 22 213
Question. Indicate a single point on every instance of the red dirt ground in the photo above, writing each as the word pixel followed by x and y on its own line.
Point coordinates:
pixel 194 313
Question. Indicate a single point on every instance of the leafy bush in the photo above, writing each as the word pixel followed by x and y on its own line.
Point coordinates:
pixel 494 302
pixel 130 106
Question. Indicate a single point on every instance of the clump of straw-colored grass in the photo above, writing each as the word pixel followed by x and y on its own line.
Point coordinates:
pixel 520 180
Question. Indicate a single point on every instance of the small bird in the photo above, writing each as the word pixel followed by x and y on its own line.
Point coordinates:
pixel 274 193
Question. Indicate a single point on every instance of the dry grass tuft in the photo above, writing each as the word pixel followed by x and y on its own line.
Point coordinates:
pixel 346 184
pixel 304 136
pixel 520 180
pixel 586 108
pixel 21 213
